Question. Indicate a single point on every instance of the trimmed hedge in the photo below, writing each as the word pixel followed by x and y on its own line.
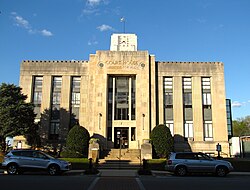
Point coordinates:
pixel 77 143
pixel 162 141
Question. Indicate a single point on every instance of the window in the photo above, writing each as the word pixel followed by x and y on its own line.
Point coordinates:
pixel 168 99
pixel 207 111
pixel 187 107
pixel 170 125
pixel 75 99
pixel 187 91
pixel 37 95
pixel 188 129
pixel 208 131
pixel 55 108
pixel 133 138
pixel 122 97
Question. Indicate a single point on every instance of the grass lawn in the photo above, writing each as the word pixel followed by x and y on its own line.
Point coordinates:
pixel 156 164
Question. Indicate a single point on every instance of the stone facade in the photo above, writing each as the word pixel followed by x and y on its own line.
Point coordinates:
pixel 95 93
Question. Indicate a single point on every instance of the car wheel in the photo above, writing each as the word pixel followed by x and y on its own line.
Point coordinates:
pixel 181 171
pixel 12 169
pixel 221 171
pixel 53 169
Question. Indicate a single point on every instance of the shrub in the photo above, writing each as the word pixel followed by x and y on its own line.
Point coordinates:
pixel 70 154
pixel 77 142
pixel 162 141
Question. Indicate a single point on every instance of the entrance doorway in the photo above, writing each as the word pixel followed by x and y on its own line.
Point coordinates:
pixel 121 137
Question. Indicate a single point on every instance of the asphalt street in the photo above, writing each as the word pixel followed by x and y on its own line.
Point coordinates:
pixel 119 180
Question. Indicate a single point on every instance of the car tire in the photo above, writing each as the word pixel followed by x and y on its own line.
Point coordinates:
pixel 12 169
pixel 53 169
pixel 181 171
pixel 221 171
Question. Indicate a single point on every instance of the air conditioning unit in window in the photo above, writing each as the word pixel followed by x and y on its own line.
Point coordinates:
pixel 190 138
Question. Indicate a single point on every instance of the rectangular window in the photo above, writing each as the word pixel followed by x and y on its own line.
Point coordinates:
pixel 133 136
pixel 206 98
pixel 170 125
pixel 54 130
pixel 187 91
pixel 168 98
pixel 133 97
pixel 37 95
pixel 121 97
pixel 188 130
pixel 55 108
pixel 208 131
pixel 75 99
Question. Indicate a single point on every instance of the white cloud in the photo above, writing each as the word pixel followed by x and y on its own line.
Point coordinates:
pixel 92 42
pixel 20 21
pixel 23 23
pixel 94 7
pixel 201 20
pixel 104 27
pixel 237 104
pixel 93 2
pixel 45 32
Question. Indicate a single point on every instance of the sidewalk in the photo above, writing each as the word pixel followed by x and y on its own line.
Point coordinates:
pixel 128 173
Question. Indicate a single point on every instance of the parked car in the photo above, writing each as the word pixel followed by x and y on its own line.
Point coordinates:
pixel 18 161
pixel 182 163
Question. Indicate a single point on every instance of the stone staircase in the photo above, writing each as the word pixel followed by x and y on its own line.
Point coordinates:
pixel 120 159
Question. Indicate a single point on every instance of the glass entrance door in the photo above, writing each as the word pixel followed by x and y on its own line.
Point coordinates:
pixel 121 137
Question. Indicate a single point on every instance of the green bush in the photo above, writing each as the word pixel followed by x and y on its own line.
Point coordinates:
pixel 77 142
pixel 162 141
pixel 70 154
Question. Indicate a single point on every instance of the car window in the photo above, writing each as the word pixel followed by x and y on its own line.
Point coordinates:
pixel 203 157
pixel 185 156
pixel 16 153
pixel 39 155
pixel 27 153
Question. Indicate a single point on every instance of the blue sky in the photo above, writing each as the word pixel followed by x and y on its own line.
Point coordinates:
pixel 172 30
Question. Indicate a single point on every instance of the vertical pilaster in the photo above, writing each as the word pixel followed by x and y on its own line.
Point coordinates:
pixel 197 109
pixel 65 107
pixel 178 108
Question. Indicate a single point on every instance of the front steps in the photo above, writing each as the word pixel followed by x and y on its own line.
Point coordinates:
pixel 120 159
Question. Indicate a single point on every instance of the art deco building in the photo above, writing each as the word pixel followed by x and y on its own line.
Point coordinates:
pixel 126 92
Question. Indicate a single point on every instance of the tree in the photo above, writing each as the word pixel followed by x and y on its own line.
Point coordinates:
pixel 162 141
pixel 77 142
pixel 16 116
pixel 241 127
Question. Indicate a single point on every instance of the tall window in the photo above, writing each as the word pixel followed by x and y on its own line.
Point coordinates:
pixel 229 118
pixel 75 99
pixel 207 111
pixel 168 103
pixel 37 96
pixel 55 108
pixel 121 100
pixel 187 107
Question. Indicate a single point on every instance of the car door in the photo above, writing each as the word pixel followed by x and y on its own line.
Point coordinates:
pixel 40 160
pixel 25 159
pixel 205 163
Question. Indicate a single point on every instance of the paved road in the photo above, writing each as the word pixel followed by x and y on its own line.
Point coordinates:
pixel 77 181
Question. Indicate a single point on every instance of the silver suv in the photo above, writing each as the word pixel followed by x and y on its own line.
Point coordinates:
pixel 182 163
pixel 18 161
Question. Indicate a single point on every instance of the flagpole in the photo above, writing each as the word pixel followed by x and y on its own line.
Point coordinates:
pixel 123 20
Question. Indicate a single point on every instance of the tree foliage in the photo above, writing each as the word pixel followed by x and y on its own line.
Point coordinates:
pixel 241 127
pixel 77 142
pixel 16 116
pixel 162 141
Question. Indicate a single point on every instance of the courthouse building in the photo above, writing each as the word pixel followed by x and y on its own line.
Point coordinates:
pixel 125 92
